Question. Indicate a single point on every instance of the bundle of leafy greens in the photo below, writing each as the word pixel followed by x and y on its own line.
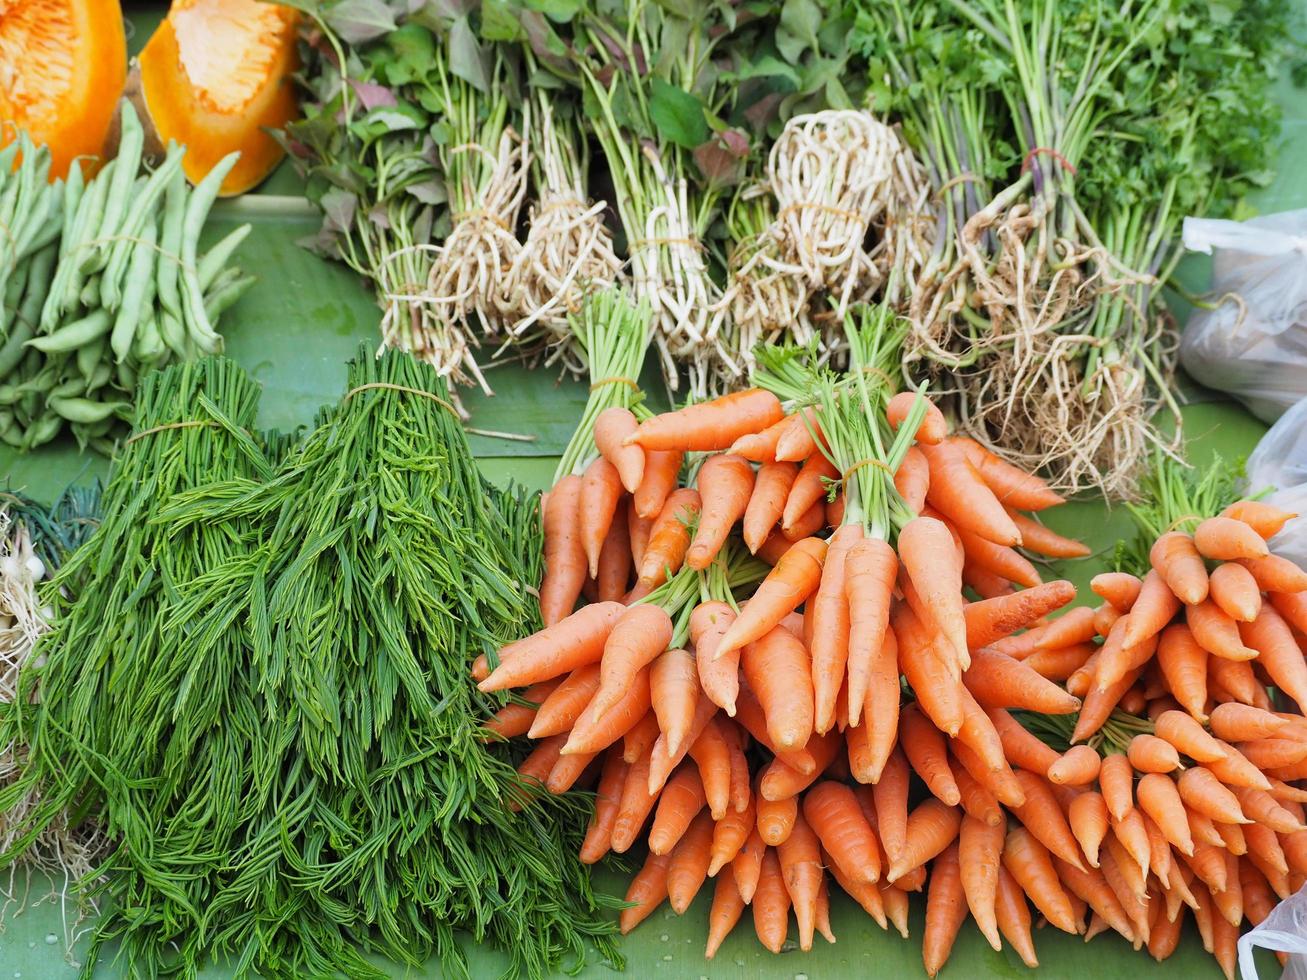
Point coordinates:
pixel 284 745
pixel 1065 142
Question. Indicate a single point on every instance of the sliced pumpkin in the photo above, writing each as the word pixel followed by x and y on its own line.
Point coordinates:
pixel 62 66
pixel 213 76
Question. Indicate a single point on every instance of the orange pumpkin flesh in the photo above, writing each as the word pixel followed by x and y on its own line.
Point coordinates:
pixel 62 65
pixel 213 75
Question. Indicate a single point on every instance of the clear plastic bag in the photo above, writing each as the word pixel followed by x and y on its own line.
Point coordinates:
pixel 1284 930
pixel 1255 347
pixel 1280 461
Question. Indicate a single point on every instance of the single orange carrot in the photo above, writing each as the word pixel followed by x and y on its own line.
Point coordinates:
pixel 890 798
pixel 1292 608
pixel 976 800
pixel 760 447
pixel 771 904
pixel 776 818
pixel 1278 653
pixel 870 570
pixel 896 908
pixel 980 852
pixel 1010 484
pixel 1121 589
pixel 639 636
pixel 711 425
pixel 611 428
pixel 725 483
pixel 1152 610
pixel 727 909
pixel 780 780
pixel 1258 899
pixel 1116 659
pixel 1098 704
pixel 647 890
pixel 1030 865
pixel 1177 560
pixel 573 642
pixel 926 550
pixel 797 440
pixel 661 470
pixel 1216 632
pixel 515 718
pixel 1274 753
pixel 1260 806
pixel 946 910
pixel 827 615
pixel 925 749
pixel 993 619
pixel 1226 539
pixel 1184 665
pixel 568 770
pixel 730 833
pixel 1266 519
pixel 1087 817
pixel 669 537
pixel 811 521
pixel 771 487
pixel 1043 818
pixel 1105 617
pixel 1164 935
pixel 983 583
pixel 800 860
pixel 1235 770
pixel 999 681
pixel 559 712
pixel 719 678
pixel 688 867
pixel 740 791
pixel 615 558
pixel 933 680
pixel 601 490
pixel 599 835
pixel 912 479
pixel 1203 792
pixel 1148 753
pixel 778 671
pixel 997 559
pixel 534 770
pixel 640 739
pixel 810 487
pixel 678 804
pixel 1078 766
pixel 662 760
pixel 1060 663
pixel 1187 736
pixel 1043 540
pixel 591 734
pixel 746 866
pixel 674 688
pixel 1075 626
pixel 750 715
pixel 1019 746
pixel 1234 591
pixel 1116 780
pixel 870 897
pixel 795 577
pixel 931 827
pixel 712 757
pixel 1265 852
pixel 638 529
pixel 959 492
pixel 933 427
pixel 565 560
pixel 835 816
pixel 1013 917
pixel 1091 887
pixel 1242 723
pixel 1160 799
pixel 634 806
pixel 1276 574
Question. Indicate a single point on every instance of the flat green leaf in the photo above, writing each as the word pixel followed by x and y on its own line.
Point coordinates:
pixel 802 20
pixel 467 59
pixel 357 21
pixel 499 22
pixel 559 11
pixel 677 115
pixel 765 67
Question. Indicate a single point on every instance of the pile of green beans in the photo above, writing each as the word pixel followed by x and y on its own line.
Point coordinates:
pixel 100 281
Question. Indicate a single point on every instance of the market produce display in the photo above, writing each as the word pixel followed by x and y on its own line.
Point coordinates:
pixel 767 741
pixel 101 279
pixel 263 702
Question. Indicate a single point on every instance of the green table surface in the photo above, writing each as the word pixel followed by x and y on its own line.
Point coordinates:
pixel 294 331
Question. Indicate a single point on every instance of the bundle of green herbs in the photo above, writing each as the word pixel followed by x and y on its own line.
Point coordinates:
pixel 284 748
pixel 101 279
pixel 1065 142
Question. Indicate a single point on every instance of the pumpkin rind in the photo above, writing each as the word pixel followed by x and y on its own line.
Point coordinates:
pixel 213 76
pixel 62 66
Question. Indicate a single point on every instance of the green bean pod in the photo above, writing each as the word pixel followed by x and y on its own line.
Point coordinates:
pixel 170 246
pixel 75 334
pixel 64 295
pixel 197 210
pixel 23 327
pixel 215 259
pixel 149 347
pixel 131 141
pixel 126 376
pixel 143 213
pixel 88 357
pixel 140 279
pixel 173 333
pixel 100 376
pixel 86 409
pixel 221 298
pixel 74 187
pixel 42 430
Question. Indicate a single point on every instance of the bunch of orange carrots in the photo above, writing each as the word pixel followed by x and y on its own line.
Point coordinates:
pixel 767 741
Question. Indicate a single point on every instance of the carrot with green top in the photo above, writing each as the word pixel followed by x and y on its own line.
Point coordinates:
pixel 795 577
pixel 870 570
pixel 709 426
pixel 669 537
